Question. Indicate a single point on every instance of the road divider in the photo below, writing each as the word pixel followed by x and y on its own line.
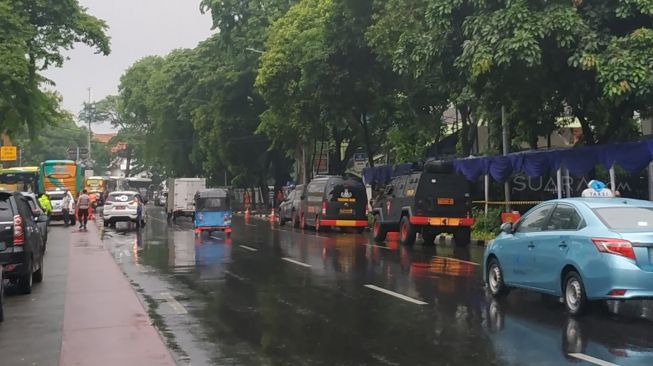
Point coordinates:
pixel 290 260
pixel 174 304
pixel 397 295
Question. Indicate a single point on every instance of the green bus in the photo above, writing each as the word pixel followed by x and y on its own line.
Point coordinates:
pixel 61 175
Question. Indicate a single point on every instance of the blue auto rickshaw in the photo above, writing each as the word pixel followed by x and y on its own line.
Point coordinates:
pixel 212 211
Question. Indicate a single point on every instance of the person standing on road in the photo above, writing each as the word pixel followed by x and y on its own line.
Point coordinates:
pixel 280 197
pixel 83 205
pixel 139 212
pixel 66 208
pixel 45 203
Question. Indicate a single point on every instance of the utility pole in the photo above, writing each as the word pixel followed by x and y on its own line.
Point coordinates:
pixel 505 133
pixel 89 119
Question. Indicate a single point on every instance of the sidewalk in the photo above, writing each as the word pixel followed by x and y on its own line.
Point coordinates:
pixel 104 322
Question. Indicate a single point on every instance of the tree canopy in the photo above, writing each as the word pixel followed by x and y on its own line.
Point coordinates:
pixel 33 36
pixel 280 77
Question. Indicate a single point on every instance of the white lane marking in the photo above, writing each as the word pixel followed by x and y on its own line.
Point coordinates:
pixel 594 360
pixel 176 306
pixel 397 295
pixel 376 246
pixel 457 260
pixel 229 273
pixel 296 262
pixel 248 248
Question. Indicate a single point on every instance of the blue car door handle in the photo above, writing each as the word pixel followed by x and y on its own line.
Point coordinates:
pixel 531 245
pixel 563 244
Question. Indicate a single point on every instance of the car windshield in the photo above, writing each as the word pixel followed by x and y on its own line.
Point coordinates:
pixel 121 197
pixel 626 218
pixel 55 196
pixel 212 204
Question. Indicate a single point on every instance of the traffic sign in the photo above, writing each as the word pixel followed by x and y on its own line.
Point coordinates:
pixel 8 153
pixel 83 153
pixel 72 153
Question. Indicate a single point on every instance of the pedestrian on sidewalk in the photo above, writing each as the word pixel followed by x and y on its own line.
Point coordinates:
pixel 83 205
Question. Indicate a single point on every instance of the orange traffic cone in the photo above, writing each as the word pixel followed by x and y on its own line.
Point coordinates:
pixel 273 216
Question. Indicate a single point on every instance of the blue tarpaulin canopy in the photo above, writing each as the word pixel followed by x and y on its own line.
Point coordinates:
pixel 631 156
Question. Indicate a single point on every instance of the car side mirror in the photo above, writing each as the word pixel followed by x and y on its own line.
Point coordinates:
pixel 507 227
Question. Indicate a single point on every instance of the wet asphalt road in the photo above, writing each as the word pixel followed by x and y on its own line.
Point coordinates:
pixel 280 296
pixel 277 296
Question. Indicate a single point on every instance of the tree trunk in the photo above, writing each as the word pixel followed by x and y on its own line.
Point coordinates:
pixel 128 163
pixel 588 135
pixel 464 131
pixel 367 140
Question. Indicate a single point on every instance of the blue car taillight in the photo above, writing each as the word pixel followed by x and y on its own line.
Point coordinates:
pixel 615 246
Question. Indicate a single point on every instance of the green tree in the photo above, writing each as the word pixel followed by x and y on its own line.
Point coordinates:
pixel 52 142
pixel 323 84
pixel 39 31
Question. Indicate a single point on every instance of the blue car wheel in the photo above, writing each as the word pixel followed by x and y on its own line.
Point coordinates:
pixel 574 294
pixel 495 279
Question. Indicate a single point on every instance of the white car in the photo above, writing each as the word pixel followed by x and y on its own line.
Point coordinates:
pixel 56 200
pixel 122 207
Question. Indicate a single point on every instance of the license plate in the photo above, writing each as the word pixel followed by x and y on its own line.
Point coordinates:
pixel 120 207
pixel 445 201
pixel 346 211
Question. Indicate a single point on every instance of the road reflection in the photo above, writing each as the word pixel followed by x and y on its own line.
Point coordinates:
pixel 541 333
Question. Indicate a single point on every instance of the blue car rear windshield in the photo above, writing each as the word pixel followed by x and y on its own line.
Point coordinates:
pixel 626 218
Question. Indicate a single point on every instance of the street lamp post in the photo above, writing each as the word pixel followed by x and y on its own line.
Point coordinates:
pixel 90 111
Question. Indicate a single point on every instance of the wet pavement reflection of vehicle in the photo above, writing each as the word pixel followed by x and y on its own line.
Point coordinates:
pixel 282 296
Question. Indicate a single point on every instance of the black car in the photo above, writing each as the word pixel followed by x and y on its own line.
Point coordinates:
pixel 428 200
pixel 22 257
pixel 39 215
pixel 334 201
pixel 2 288
pixel 289 208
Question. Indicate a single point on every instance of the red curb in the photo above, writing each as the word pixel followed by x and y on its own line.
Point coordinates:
pixel 104 322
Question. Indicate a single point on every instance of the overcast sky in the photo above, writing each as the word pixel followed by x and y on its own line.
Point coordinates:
pixel 137 28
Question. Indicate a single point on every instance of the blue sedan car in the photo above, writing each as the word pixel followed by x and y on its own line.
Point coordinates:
pixel 579 249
